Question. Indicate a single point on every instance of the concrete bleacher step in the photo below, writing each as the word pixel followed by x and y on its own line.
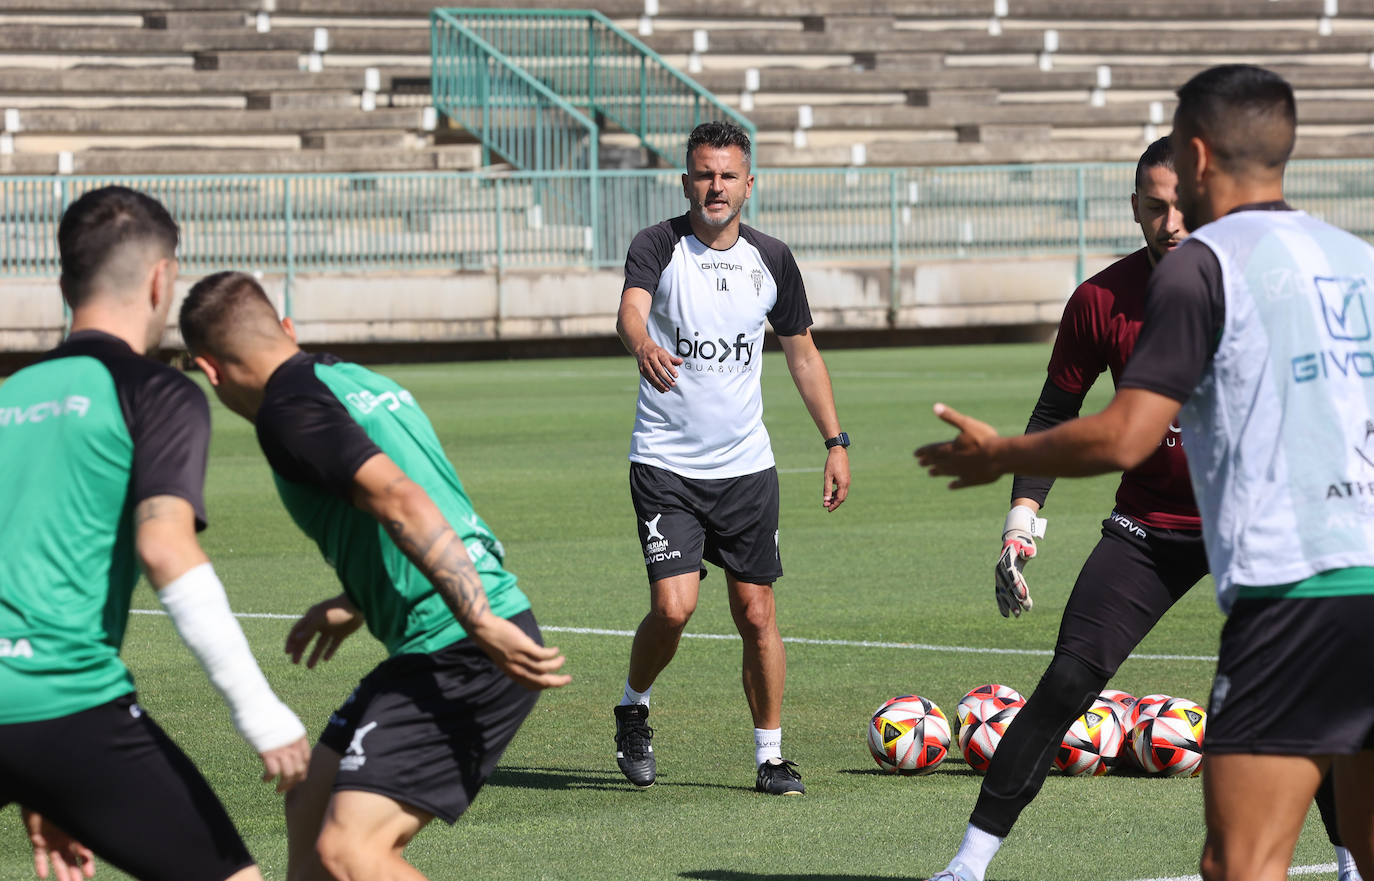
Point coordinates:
pixel 158 81
pixel 134 41
pixel 152 122
pixel 302 100
pixel 977 41
pixel 464 157
pixel 196 19
pixel 358 140
pixel 247 60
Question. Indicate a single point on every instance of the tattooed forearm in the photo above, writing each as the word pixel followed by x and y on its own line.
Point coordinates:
pixel 440 555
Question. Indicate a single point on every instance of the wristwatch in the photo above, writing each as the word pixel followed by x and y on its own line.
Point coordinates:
pixel 839 440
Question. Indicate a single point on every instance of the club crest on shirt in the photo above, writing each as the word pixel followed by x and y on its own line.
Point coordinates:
pixel 757 276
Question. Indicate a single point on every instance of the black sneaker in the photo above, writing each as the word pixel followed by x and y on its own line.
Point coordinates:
pixel 633 752
pixel 779 777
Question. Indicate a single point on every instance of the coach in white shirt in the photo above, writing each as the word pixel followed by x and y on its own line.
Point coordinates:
pixel 697 291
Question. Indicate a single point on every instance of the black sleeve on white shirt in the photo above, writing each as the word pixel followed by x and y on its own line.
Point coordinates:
pixel 650 252
pixel 1055 406
pixel 791 314
pixel 1185 310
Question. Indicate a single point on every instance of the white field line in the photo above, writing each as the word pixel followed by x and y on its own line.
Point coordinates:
pixel 794 640
pixel 1319 869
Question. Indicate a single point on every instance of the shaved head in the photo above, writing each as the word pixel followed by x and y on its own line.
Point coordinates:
pixel 228 316
pixel 1246 116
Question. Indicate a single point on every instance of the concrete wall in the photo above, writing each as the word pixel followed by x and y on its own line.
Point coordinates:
pixel 474 307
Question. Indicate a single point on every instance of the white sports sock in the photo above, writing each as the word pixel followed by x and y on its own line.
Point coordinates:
pixel 635 697
pixel 975 852
pixel 767 744
pixel 1345 866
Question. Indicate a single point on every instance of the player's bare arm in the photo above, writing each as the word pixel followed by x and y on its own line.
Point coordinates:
pixel 656 364
pixel 328 622
pixel 165 540
pixel 419 529
pixel 812 379
pixel 1116 439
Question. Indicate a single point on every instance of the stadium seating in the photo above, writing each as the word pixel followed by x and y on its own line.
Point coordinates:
pixel 338 85
pixel 315 85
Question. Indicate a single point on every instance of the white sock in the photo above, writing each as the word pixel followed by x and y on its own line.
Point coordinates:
pixel 975 852
pixel 1345 866
pixel 635 697
pixel 767 744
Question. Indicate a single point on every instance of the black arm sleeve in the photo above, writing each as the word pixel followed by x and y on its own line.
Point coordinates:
pixel 312 440
pixel 170 426
pixel 649 254
pixel 791 314
pixel 1055 406
pixel 1185 312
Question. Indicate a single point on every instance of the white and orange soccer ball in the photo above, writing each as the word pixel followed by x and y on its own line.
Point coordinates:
pixel 984 725
pixel 1169 743
pixel 1003 695
pixel 1092 743
pixel 1123 701
pixel 1145 707
pixel 908 735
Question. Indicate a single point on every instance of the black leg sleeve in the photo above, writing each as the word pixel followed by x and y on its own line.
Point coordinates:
pixel 1023 758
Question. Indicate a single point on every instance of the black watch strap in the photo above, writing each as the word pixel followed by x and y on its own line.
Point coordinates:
pixel 839 440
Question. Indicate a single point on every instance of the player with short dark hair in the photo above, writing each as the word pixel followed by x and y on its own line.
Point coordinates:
pixel 359 468
pixel 1247 328
pixel 1151 551
pixel 102 467
pixel 698 290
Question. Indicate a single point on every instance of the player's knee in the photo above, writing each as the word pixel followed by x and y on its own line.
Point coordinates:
pixel 340 854
pixel 1069 686
pixel 672 614
pixel 756 620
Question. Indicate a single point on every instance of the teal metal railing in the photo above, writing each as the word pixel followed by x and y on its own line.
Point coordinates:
pixel 892 217
pixel 594 65
pixel 510 112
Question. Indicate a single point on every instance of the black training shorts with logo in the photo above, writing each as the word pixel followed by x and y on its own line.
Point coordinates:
pixel 1290 678
pixel 110 777
pixel 731 522
pixel 428 729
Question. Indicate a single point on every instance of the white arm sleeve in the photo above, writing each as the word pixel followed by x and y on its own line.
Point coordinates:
pixel 200 612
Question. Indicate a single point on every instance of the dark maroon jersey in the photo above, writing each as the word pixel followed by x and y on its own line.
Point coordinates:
pixel 1097 333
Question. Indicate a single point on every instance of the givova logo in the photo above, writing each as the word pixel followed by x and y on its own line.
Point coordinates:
pixel 718 350
pixel 1346 315
pixel 1343 307
pixel 72 405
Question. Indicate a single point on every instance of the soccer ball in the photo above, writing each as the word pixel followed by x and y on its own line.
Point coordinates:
pixel 983 728
pixel 1123 701
pixel 1146 707
pixel 1004 695
pixel 908 735
pixel 1170 744
pixel 1092 743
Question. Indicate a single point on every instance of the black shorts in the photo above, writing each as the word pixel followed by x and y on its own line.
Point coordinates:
pixel 1133 576
pixel 428 729
pixel 1290 678
pixel 111 778
pixel 731 522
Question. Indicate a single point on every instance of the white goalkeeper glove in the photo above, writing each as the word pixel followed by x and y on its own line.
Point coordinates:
pixel 1018 545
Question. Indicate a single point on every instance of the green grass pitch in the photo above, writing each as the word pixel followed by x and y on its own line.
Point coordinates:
pixel 541 447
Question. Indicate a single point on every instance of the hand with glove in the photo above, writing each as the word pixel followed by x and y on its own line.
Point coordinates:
pixel 1019 533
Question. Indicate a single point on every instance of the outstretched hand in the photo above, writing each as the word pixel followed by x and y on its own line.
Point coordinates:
pixel 332 621
pixel 657 365
pixel 970 458
pixel 70 859
pixel 521 658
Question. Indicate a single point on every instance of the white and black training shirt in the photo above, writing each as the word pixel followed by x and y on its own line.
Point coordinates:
pixel 708 308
